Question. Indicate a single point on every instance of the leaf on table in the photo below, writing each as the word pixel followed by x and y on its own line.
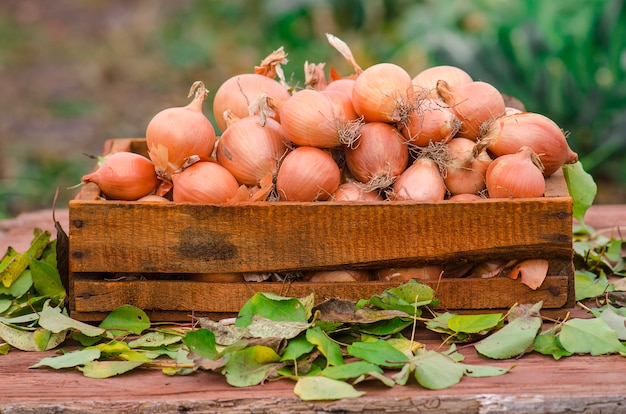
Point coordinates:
pixel 380 353
pixel 514 339
pixel 24 340
pixel 581 187
pixel 267 328
pixel 532 271
pixel 273 307
pixel 107 369
pixel 386 327
pixel 350 370
pixel 589 336
pixel 54 320
pixel 330 349
pixel 475 324
pixel 18 263
pixel 224 334
pixel 155 339
pixel 435 371
pixel 408 297
pixel 615 322
pixel 47 281
pixel 125 319
pixel 4 348
pixel 478 371
pixel 323 388
pixel 21 285
pixel 201 342
pixel 69 359
pixel 547 343
pixel 346 312
pixel 589 285
pixel 296 348
pixel 250 366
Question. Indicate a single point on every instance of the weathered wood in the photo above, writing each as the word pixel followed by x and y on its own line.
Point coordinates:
pixel 536 384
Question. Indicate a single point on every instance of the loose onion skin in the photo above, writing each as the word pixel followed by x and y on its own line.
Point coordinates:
pixel 237 93
pixel 466 167
pixel 380 156
pixel 124 176
pixel 204 182
pixel 507 134
pixel 307 174
pixel 425 82
pixel 516 175
pixel 383 93
pixel 313 118
pixel 338 276
pixel 251 151
pixel 421 182
pixel 422 273
pixel 475 104
pixel 175 134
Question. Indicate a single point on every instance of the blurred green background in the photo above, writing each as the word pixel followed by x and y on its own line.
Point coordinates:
pixel 74 73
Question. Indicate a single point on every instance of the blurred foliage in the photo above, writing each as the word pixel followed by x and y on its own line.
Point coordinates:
pixel 564 59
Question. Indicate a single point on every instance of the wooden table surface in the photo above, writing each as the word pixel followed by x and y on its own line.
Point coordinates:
pixel 537 383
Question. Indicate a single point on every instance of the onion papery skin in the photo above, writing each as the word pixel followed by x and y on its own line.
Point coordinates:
pixel 383 93
pixel 175 134
pixel 238 92
pixel 355 191
pixel 432 121
pixel 465 170
pixel 124 176
pixel 342 85
pixel 312 118
pixel 204 182
pixel 421 182
pixel 465 197
pixel 251 151
pixel 421 273
pixel 475 104
pixel 307 174
pixel 507 134
pixel 425 82
pixel 348 275
pixel 515 176
pixel 380 156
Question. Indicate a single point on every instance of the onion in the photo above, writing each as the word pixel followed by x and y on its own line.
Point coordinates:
pixel 313 118
pixel 124 176
pixel 380 156
pixel 175 134
pixel 307 174
pixel 251 151
pixel 338 276
pixel 422 273
pixel 343 85
pixel 355 191
pixel 507 134
pixel 465 167
pixel 431 121
pixel 475 104
pixel 421 181
pixel 383 93
pixel 516 175
pixel 239 92
pixel 425 82
pixel 204 182
pixel 465 197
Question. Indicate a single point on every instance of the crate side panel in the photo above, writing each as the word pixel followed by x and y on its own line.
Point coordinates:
pixel 139 237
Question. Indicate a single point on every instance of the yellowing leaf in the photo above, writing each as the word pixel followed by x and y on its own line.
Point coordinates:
pixel 107 369
pixel 322 388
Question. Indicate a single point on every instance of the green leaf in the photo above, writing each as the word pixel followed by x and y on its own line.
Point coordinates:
pixel 351 370
pixel 380 353
pixel 41 336
pixel 547 344
pixel 107 369
pixel 124 319
pixel 46 280
pixel 69 359
pixel 479 371
pixel 201 342
pixel 296 348
pixel 407 297
pixel 323 388
pixel 581 187
pixel 435 371
pixel 52 319
pixel 386 327
pixel 20 262
pixel 272 307
pixel 4 348
pixel 615 322
pixel 481 323
pixel 25 340
pixel 250 366
pixel 154 340
pixel 593 336
pixel 589 285
pixel 331 350
pixel 21 285
pixel 514 339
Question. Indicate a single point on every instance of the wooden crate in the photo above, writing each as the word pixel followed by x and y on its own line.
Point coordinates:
pixel 158 248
